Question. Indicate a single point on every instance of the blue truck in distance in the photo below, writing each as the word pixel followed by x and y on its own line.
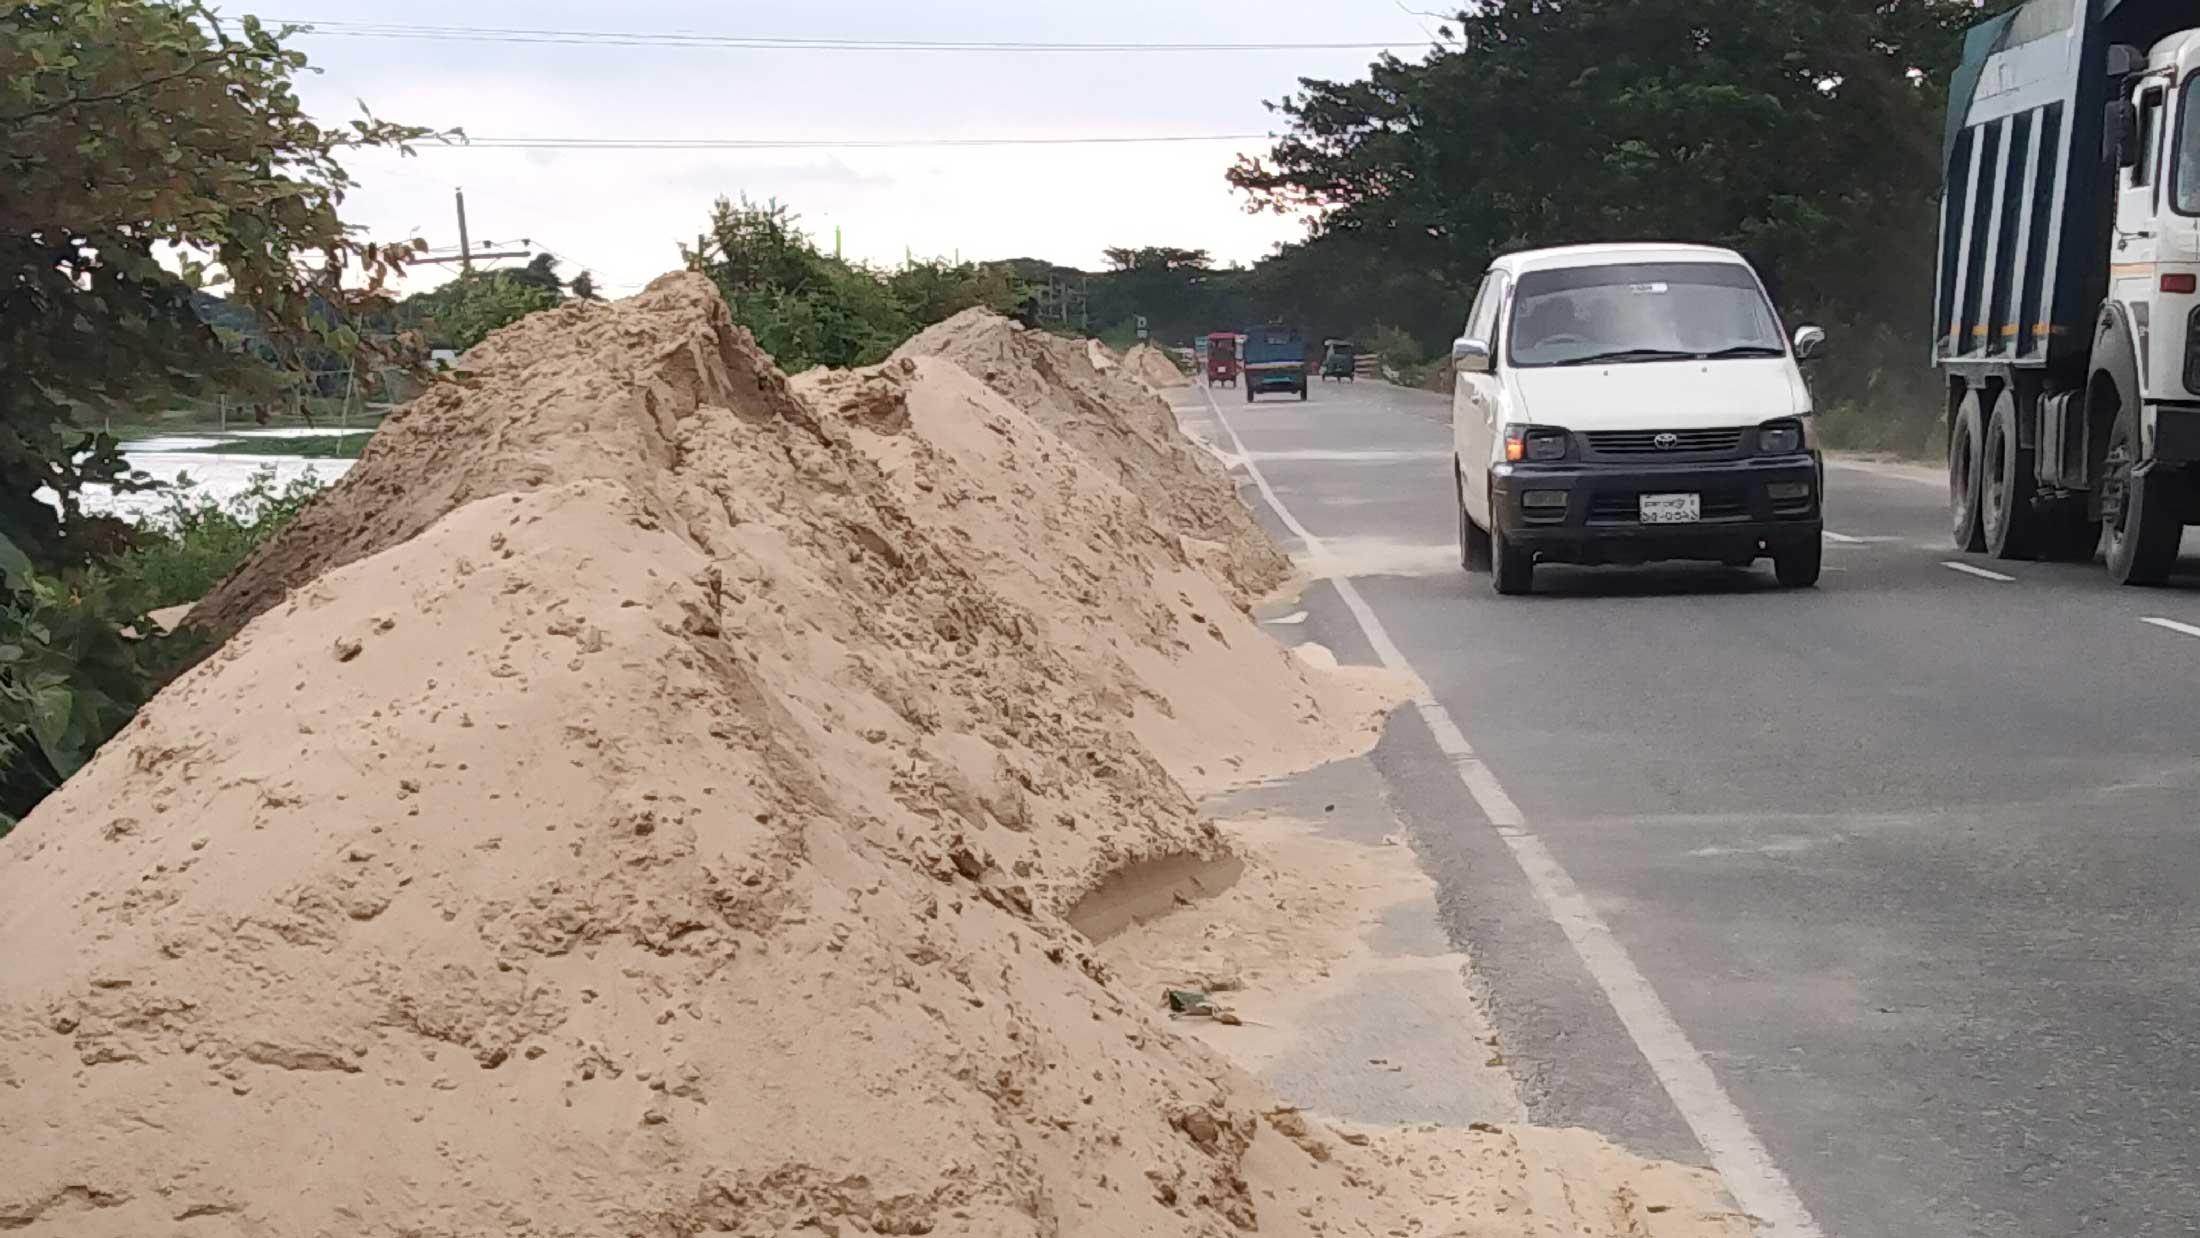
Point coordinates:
pixel 1274 360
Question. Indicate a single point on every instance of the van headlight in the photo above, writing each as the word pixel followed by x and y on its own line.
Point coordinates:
pixel 1780 438
pixel 1536 444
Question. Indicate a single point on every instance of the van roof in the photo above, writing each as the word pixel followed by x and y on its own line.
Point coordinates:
pixel 1564 256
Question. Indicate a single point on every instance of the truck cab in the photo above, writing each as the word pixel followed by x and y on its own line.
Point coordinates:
pixel 2155 257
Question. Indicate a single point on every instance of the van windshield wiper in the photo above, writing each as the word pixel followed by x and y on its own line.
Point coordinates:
pixel 1630 354
pixel 1745 350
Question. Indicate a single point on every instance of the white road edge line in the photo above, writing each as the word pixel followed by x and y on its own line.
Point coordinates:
pixel 1843 538
pixel 1979 572
pixel 2171 625
pixel 1751 1177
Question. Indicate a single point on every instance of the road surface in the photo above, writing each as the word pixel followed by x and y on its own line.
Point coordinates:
pixel 1909 863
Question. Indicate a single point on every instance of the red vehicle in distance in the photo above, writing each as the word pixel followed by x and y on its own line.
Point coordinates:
pixel 1222 359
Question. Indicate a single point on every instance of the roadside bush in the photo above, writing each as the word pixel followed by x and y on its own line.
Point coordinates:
pixel 195 539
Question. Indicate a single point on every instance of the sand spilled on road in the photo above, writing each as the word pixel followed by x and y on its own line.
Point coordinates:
pixel 632 804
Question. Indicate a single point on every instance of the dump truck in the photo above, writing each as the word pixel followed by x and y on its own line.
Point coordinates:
pixel 2068 299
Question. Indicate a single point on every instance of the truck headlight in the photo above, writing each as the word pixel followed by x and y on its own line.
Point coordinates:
pixel 1780 438
pixel 1538 444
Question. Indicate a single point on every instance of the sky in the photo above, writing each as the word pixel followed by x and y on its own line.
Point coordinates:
pixel 620 214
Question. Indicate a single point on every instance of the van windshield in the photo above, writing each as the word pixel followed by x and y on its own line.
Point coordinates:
pixel 1645 311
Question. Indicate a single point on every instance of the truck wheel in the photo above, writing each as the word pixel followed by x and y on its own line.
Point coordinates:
pixel 1512 569
pixel 1797 566
pixel 1248 393
pixel 1474 543
pixel 1966 451
pixel 2144 514
pixel 1302 393
pixel 2006 519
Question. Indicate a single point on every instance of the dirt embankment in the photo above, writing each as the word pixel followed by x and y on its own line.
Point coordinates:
pixel 1153 366
pixel 643 799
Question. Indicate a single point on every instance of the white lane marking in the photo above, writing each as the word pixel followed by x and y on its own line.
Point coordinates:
pixel 1979 572
pixel 1294 618
pixel 2172 625
pixel 1923 475
pixel 1756 1183
pixel 1372 456
pixel 1843 538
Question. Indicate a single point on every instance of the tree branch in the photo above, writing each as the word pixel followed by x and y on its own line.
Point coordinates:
pixel 124 93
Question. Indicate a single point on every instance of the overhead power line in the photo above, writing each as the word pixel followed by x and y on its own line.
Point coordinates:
pixel 535 143
pixel 641 38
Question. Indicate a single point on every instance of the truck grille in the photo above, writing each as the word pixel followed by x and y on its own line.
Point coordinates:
pixel 1647 442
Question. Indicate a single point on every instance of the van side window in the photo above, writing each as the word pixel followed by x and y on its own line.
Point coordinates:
pixel 2150 138
pixel 1474 314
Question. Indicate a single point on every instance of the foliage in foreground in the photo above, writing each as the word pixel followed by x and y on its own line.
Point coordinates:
pixel 130 131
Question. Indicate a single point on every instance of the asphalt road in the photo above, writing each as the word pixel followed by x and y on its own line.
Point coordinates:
pixel 1912 859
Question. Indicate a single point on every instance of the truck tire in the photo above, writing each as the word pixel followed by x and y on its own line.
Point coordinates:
pixel 1966 453
pixel 1302 392
pixel 2007 522
pixel 1512 569
pixel 1248 393
pixel 2144 515
pixel 1474 543
pixel 1797 566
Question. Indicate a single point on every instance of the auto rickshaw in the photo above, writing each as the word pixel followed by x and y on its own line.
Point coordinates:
pixel 1222 360
pixel 1340 360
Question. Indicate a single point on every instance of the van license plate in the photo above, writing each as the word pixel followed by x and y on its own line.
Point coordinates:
pixel 1672 508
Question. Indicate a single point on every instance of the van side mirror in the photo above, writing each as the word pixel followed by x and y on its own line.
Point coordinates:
pixel 1470 355
pixel 1810 343
pixel 2120 133
pixel 2125 60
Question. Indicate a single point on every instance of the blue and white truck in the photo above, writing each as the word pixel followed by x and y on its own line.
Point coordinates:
pixel 2068 299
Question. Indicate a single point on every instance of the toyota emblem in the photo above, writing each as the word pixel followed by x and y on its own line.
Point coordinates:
pixel 1666 441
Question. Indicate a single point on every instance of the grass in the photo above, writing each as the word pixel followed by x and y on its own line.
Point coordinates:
pixel 1911 433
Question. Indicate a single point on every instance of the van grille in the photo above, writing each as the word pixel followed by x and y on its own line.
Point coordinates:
pixel 1625 506
pixel 1646 442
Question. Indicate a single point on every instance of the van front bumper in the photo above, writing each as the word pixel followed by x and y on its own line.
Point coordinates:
pixel 1570 512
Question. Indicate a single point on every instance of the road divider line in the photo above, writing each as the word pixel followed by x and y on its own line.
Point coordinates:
pixel 2171 625
pixel 1757 1184
pixel 1843 538
pixel 1979 572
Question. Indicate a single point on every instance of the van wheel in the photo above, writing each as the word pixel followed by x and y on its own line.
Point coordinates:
pixel 2144 515
pixel 2007 522
pixel 1966 452
pixel 1512 569
pixel 1796 566
pixel 1474 543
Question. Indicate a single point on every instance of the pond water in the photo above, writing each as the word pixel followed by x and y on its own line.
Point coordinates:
pixel 169 458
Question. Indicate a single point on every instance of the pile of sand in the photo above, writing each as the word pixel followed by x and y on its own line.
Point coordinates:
pixel 1152 366
pixel 1117 423
pixel 640 800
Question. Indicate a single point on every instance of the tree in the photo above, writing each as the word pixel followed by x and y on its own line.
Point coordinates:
pixel 804 306
pixel 541 272
pixel 1804 132
pixel 136 134
pixel 465 311
pixel 583 287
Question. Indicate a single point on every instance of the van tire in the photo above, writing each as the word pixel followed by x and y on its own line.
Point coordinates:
pixel 1797 566
pixel 1512 569
pixel 1474 542
pixel 2007 522
pixel 1966 457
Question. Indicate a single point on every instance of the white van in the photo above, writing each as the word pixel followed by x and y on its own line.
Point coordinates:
pixel 1630 403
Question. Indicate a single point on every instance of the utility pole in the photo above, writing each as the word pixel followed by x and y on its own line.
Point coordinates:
pixel 466 255
pixel 465 247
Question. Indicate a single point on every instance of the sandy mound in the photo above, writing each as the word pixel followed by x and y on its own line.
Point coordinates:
pixel 657 828
pixel 1153 366
pixel 1196 680
pixel 1114 419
